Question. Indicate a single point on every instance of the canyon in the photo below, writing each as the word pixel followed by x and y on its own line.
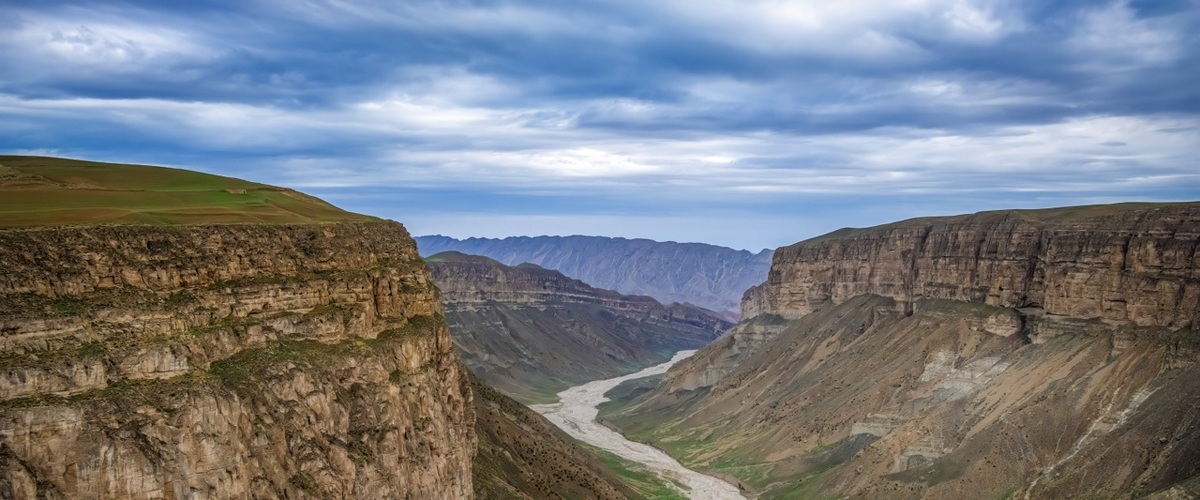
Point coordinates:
pixel 576 413
pixel 532 332
pixel 1013 354
pixel 170 334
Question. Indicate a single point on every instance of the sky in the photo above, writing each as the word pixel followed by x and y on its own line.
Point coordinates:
pixel 749 124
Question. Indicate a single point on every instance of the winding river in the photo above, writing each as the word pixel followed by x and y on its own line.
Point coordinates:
pixel 576 413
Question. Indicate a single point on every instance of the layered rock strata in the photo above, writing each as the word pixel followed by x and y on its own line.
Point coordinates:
pixel 227 361
pixel 532 332
pixel 1023 354
pixel 1130 263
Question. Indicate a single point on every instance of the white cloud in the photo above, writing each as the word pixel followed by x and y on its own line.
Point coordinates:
pixel 500 148
pixel 1113 40
pixel 866 30
pixel 83 43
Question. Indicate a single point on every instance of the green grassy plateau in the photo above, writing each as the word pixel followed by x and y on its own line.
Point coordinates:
pixel 41 191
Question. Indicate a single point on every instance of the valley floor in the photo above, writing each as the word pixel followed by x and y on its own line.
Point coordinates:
pixel 576 413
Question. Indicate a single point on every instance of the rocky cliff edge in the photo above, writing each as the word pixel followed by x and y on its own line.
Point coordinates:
pixel 1135 263
pixel 227 361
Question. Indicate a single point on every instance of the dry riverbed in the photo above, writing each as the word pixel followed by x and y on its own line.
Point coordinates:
pixel 576 413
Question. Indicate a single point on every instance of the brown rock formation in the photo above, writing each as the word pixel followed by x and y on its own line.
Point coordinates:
pixel 1133 263
pixel 1024 354
pixel 227 361
pixel 532 332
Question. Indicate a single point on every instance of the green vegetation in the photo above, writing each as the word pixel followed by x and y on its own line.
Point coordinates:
pixel 625 393
pixel 637 476
pixel 690 447
pixel 65 307
pixel 226 323
pixel 808 486
pixel 162 394
pixel 40 191
pixel 242 370
pixel 1059 215
pixel 92 350
pixel 305 482
pixel 415 327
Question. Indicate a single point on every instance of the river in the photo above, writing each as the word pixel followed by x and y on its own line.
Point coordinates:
pixel 576 413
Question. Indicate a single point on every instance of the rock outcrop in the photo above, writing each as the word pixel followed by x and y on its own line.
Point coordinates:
pixel 1130 263
pixel 227 361
pixel 532 332
pixel 709 276
pixel 1023 354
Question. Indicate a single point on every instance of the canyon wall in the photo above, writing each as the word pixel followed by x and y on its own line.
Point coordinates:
pixel 221 361
pixel 1019 354
pixel 1127 263
pixel 532 332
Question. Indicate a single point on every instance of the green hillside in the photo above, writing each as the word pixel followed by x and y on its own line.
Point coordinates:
pixel 41 191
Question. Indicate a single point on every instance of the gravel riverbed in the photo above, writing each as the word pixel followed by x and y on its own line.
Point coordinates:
pixel 576 413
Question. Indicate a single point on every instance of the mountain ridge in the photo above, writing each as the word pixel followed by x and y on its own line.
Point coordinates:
pixel 930 359
pixel 706 275
pixel 531 331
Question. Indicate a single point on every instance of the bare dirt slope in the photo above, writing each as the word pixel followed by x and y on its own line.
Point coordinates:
pixel 532 332
pixel 522 456
pixel 905 362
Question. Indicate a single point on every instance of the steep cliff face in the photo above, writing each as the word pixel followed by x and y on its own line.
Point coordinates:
pixel 1134 263
pixel 226 361
pixel 532 332
pixel 705 275
pixel 1049 354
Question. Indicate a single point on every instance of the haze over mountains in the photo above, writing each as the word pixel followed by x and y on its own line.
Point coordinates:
pixel 709 276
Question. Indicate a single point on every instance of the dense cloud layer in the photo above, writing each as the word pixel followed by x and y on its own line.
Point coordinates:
pixel 746 123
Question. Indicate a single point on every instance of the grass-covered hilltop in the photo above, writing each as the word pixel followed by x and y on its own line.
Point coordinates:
pixel 168 333
pixel 42 191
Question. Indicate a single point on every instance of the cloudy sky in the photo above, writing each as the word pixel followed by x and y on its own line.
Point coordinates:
pixel 745 123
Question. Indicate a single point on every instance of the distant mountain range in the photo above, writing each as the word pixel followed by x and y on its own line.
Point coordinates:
pixel 708 276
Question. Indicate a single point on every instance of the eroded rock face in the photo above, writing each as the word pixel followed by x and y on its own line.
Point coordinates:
pixel 532 332
pixel 227 361
pixel 1038 354
pixel 1136 264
